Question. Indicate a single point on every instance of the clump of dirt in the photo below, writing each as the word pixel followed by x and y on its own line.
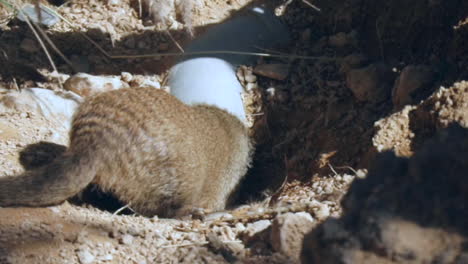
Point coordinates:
pixel 445 106
pixel 401 204
pixel 405 131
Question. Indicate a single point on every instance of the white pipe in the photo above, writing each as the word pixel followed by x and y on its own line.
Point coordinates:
pixel 211 79
pixel 208 81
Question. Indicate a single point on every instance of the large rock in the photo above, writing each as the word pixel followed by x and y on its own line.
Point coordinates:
pixel 371 83
pixel 287 232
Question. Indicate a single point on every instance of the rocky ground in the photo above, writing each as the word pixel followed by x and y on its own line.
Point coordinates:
pixel 384 93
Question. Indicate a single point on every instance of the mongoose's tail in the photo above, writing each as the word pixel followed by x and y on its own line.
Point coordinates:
pixel 51 184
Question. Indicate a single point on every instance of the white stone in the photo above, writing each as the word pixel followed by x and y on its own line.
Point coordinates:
pixel 153 84
pixel 322 212
pixel 251 78
pixel 85 257
pixel 218 216
pixel 254 228
pixel 250 86
pixel 240 227
pixel 127 239
pixel 126 76
pixel 108 257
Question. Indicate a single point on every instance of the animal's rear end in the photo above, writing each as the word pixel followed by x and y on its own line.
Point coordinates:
pixel 153 152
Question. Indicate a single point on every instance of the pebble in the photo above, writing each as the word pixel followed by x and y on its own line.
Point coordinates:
pixel 412 78
pixel 218 216
pixel 271 92
pixel 273 71
pixel 250 78
pixel 163 46
pixel 322 212
pixel 361 174
pixel 352 61
pixel 107 257
pixel 338 40
pixel 240 75
pixel 227 233
pixel 328 188
pixel 254 228
pixel 114 2
pixel 150 83
pixel 59 77
pixel 133 231
pixel 174 236
pixel 342 39
pixel 85 257
pixel 250 86
pixel 126 76
pixel 370 84
pixel 240 227
pixel 30 45
pixel 229 250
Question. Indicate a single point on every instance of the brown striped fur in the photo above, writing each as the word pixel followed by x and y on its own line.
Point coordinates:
pixel 148 148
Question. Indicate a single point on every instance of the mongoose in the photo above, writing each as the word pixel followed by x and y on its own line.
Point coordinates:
pixel 150 150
